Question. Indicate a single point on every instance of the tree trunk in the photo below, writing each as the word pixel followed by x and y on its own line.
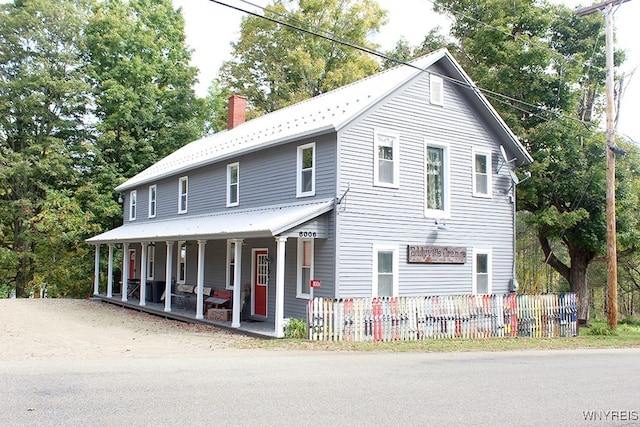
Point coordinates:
pixel 580 259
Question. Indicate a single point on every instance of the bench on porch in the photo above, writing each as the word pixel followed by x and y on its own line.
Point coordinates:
pixel 219 299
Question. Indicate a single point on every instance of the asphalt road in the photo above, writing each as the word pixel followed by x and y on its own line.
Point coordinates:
pixel 279 387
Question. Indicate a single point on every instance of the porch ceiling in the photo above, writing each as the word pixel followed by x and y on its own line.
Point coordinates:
pixel 258 222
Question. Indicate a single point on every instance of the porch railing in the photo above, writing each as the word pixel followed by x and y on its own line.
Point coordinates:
pixel 433 317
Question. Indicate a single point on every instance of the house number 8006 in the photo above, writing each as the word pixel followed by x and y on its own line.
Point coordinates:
pixel 307 234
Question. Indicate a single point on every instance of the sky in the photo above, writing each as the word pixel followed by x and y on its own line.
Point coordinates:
pixel 211 28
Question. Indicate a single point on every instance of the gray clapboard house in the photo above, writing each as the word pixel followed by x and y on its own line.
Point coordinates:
pixel 399 184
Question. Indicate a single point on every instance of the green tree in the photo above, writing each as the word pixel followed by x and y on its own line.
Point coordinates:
pixel 43 98
pixel 550 64
pixel 143 84
pixel 275 66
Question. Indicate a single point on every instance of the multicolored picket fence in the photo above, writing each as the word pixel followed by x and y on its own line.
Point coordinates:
pixel 451 316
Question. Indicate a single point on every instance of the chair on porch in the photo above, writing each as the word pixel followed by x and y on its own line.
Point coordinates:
pixel 219 299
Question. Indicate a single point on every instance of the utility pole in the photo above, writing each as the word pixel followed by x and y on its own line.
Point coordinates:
pixel 611 150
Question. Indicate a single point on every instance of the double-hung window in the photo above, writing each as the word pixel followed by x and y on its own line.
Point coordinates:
pixel 481 173
pixel 233 177
pixel 152 201
pixel 151 251
pixel 305 267
pixel 182 262
pixel 306 175
pixel 183 190
pixel 437 181
pixel 385 271
pixel 231 264
pixel 482 271
pixel 386 164
pixel 133 201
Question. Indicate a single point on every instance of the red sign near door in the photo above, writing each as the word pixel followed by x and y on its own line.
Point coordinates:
pixel 315 284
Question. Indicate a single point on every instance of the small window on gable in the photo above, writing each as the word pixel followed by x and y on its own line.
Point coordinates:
pixel 386 164
pixel 385 271
pixel 305 268
pixel 233 177
pixel 482 271
pixel 436 90
pixel 437 201
pixel 133 201
pixel 306 172
pixel 183 190
pixel 481 174
pixel 152 201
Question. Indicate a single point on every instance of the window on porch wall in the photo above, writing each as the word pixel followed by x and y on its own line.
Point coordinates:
pixel 231 264
pixel 151 251
pixel 182 262
pixel 305 267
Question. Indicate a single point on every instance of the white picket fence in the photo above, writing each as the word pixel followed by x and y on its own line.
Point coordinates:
pixel 450 316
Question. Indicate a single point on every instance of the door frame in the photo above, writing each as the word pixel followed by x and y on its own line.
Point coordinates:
pixel 254 255
pixel 130 259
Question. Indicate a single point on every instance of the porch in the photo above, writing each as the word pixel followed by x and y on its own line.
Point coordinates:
pixel 251 327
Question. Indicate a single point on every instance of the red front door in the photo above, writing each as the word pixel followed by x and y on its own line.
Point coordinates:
pixel 132 264
pixel 260 281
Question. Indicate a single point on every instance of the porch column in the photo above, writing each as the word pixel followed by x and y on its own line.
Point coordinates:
pixel 125 270
pixel 237 283
pixel 110 278
pixel 280 254
pixel 143 273
pixel 167 289
pixel 200 283
pixel 96 273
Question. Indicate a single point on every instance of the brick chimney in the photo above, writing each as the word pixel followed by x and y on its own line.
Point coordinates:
pixel 237 111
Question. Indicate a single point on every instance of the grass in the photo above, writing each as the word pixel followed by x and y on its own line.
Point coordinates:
pixel 625 336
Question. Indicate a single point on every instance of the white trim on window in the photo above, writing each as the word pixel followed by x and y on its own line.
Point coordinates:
pixel 482 271
pixel 481 173
pixel 306 170
pixel 233 184
pixel 437 175
pixel 151 251
pixel 381 270
pixel 181 263
pixel 305 269
pixel 133 202
pixel 231 264
pixel 436 90
pixel 386 159
pixel 153 200
pixel 183 192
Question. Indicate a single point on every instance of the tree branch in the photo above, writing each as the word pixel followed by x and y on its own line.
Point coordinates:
pixel 552 260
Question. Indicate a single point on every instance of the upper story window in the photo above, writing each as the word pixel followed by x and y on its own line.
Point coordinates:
pixel 437 181
pixel 133 201
pixel 305 267
pixel 183 190
pixel 233 177
pixel 385 271
pixel 152 201
pixel 436 90
pixel 481 174
pixel 306 176
pixel 231 263
pixel 386 165
pixel 482 271
pixel 182 263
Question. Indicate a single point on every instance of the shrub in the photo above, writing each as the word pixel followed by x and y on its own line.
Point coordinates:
pixel 602 330
pixel 296 329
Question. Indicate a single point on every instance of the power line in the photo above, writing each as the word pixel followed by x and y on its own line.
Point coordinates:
pixel 336 39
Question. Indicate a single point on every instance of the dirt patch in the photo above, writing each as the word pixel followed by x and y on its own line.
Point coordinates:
pixel 83 329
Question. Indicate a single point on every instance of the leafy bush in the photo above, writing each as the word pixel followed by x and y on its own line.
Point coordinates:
pixel 630 320
pixel 296 329
pixel 601 330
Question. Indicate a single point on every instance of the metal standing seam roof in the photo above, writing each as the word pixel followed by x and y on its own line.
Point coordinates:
pixel 325 112
pixel 256 222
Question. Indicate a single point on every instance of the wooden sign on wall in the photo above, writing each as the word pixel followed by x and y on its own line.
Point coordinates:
pixel 436 255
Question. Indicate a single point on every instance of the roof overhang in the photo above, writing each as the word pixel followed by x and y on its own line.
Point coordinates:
pixel 249 223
